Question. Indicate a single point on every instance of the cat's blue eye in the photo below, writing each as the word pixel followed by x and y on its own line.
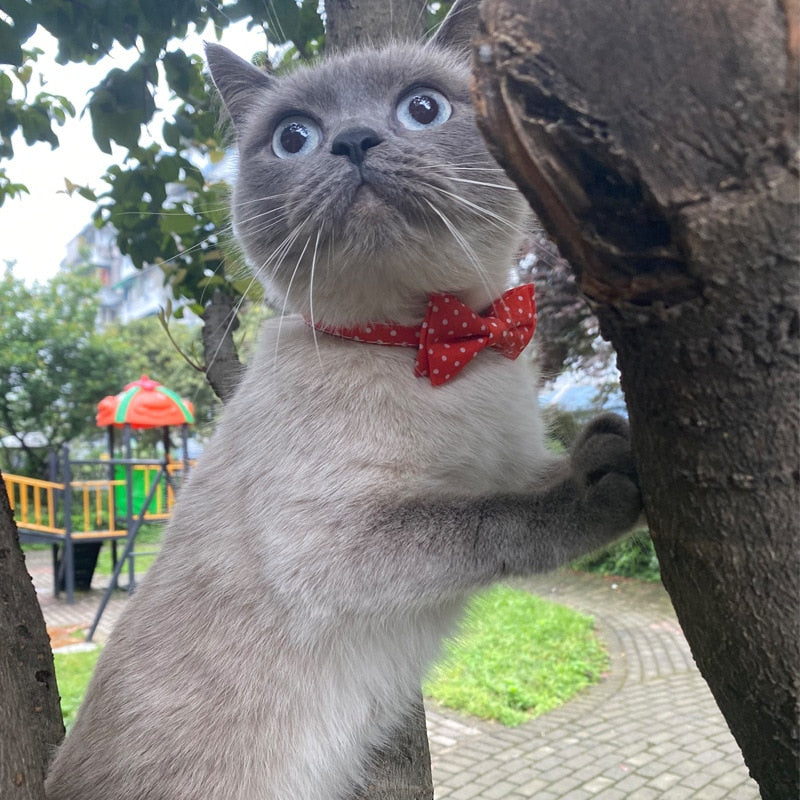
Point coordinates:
pixel 423 108
pixel 295 136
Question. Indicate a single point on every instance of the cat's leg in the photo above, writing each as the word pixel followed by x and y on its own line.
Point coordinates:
pixel 451 544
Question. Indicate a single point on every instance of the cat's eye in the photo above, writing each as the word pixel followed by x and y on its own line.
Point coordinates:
pixel 423 108
pixel 295 136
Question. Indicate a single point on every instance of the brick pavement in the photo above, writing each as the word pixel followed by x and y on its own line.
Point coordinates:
pixel 649 730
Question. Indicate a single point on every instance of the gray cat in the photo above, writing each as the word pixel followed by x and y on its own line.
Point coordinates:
pixel 348 504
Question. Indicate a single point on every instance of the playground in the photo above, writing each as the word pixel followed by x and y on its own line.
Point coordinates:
pixel 89 502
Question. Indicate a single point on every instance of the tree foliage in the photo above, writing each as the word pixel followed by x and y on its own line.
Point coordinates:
pixel 165 198
pixel 53 366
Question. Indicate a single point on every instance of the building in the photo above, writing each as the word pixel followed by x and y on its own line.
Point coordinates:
pixel 127 292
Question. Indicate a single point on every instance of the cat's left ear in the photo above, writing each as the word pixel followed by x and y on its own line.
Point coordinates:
pixel 238 82
pixel 459 26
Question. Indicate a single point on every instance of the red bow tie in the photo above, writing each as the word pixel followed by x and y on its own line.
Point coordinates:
pixel 452 334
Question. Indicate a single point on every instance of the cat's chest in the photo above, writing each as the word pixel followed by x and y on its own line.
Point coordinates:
pixel 337 410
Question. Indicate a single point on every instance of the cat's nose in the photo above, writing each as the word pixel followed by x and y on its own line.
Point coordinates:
pixel 354 143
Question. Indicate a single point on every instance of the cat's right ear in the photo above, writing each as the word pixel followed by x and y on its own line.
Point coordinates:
pixel 459 26
pixel 238 82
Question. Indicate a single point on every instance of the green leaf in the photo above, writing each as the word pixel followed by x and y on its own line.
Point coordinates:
pixel 10 48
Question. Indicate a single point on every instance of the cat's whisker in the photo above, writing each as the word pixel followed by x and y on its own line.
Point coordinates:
pixel 463 244
pixel 311 296
pixel 501 222
pixel 503 186
pixel 282 315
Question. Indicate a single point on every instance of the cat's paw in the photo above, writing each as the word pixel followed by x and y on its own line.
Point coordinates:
pixel 602 464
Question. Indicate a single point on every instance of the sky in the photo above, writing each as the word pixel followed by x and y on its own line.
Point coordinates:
pixel 35 228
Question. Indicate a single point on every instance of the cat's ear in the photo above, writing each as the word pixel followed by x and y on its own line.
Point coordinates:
pixel 237 81
pixel 459 26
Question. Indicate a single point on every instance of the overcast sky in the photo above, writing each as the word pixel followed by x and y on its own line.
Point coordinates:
pixel 35 229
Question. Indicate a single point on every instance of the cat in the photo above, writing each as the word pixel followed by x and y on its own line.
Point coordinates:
pixel 347 505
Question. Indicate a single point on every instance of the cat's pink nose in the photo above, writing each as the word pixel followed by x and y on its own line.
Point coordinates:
pixel 354 143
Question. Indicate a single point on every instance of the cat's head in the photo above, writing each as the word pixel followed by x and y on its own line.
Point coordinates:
pixel 364 185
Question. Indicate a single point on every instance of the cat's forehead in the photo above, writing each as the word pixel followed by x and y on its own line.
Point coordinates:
pixel 370 75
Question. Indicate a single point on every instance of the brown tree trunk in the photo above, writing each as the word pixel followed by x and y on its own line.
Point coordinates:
pixel 30 714
pixel 350 23
pixel 656 142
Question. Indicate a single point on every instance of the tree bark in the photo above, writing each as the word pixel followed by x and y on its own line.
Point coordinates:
pixel 223 368
pixel 656 142
pixel 30 714
pixel 354 23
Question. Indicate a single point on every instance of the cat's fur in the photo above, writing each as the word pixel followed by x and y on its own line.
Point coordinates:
pixel 345 509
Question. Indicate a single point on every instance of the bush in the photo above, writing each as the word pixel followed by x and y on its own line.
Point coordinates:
pixel 633 557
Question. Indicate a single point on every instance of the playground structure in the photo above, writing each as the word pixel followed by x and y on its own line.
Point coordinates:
pixel 91 501
pixel 72 510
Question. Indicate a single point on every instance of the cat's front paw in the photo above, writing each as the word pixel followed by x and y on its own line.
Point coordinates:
pixel 602 464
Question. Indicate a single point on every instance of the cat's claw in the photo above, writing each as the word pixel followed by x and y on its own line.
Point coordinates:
pixel 602 464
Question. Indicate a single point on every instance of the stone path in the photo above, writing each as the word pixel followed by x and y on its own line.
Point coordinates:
pixel 649 730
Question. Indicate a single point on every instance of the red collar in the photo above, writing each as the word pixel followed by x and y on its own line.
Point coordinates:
pixel 452 334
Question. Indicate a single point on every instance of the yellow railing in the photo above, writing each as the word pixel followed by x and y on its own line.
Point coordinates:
pixel 33 503
pixel 91 503
pixel 164 498
pixel 92 506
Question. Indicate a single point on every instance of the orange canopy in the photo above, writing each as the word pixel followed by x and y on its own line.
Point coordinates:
pixel 145 404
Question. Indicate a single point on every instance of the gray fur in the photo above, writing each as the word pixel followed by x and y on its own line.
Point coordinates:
pixel 345 509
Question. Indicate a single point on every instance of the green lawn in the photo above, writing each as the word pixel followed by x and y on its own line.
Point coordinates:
pixel 516 657
pixel 73 671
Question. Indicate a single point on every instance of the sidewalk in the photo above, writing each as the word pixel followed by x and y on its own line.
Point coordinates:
pixel 650 730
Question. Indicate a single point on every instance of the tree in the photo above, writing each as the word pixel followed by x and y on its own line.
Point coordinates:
pixel 657 143
pixel 54 367
pixel 30 715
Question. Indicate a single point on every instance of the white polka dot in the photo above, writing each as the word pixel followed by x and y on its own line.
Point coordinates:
pixel 368 330
pixel 392 332
pixel 464 325
pixel 457 364
pixel 430 351
pixel 455 312
pixel 436 372
pixel 444 322
pixel 435 308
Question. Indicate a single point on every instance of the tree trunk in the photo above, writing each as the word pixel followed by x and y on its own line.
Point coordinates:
pixel 656 143
pixel 30 714
pixel 350 23
pixel 223 368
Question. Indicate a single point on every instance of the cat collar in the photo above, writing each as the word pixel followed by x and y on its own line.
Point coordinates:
pixel 452 334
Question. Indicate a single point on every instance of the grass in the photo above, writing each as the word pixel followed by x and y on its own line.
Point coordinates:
pixel 517 657
pixel 73 671
pixel 148 540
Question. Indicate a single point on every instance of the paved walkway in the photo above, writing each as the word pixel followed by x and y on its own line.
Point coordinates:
pixel 649 730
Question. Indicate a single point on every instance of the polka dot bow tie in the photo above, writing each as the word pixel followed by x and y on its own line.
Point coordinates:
pixel 452 334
